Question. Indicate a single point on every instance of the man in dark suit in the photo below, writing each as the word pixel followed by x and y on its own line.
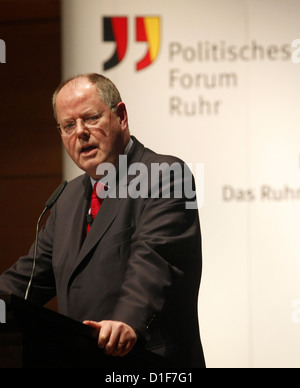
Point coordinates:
pixel 134 274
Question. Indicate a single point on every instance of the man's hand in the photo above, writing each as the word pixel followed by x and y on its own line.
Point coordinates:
pixel 116 338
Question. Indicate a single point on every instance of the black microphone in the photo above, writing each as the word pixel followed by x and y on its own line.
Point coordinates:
pixel 54 197
pixel 51 201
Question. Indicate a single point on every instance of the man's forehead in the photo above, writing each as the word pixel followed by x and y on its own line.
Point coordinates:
pixel 78 97
pixel 77 91
pixel 79 86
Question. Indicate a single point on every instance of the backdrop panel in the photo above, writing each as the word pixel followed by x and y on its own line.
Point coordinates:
pixel 216 82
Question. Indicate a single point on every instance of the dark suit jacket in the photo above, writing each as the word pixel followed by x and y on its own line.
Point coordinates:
pixel 140 264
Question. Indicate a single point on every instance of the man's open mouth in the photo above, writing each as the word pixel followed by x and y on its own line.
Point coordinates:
pixel 87 149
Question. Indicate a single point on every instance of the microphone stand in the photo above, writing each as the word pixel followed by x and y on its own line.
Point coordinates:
pixel 51 201
pixel 34 252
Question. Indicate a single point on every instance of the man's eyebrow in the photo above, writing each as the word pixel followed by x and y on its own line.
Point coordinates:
pixel 86 114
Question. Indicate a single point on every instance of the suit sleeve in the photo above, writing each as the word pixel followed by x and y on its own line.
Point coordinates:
pixel 160 257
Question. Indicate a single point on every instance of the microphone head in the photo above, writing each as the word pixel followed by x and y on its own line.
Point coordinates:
pixel 54 197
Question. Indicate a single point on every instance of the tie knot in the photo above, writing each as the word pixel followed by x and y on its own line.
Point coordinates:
pixel 98 190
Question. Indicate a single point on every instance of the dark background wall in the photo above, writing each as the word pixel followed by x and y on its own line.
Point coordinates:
pixel 30 146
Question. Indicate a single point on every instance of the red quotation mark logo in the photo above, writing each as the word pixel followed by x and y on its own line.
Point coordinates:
pixel 115 29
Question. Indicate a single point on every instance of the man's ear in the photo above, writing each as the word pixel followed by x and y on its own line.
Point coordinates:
pixel 122 114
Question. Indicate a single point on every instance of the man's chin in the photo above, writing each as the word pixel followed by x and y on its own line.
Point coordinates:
pixel 91 166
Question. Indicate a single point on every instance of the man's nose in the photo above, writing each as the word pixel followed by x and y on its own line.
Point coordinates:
pixel 81 128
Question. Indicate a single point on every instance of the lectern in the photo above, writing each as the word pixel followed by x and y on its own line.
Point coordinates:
pixel 36 337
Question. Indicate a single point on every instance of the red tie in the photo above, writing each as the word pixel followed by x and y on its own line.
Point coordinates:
pixel 95 204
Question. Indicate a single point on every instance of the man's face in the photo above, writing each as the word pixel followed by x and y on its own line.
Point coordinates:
pixel 88 147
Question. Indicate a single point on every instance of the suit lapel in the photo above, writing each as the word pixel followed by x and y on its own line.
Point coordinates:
pixel 103 220
pixel 79 220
